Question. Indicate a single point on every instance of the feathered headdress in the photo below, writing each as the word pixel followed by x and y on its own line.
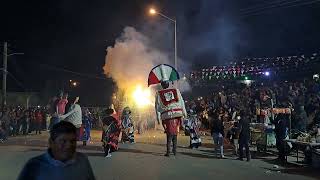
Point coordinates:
pixel 162 72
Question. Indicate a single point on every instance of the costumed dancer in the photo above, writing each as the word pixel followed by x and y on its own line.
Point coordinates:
pixel 169 104
pixel 127 126
pixel 192 125
pixel 110 134
pixel 86 126
pixel 74 116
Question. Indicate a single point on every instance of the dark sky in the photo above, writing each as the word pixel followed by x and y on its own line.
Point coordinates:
pixel 73 34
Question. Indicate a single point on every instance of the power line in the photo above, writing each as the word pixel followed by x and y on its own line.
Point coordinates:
pixel 72 72
pixel 264 4
pixel 268 6
pixel 261 11
pixel 17 81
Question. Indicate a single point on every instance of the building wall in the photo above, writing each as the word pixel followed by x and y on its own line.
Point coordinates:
pixel 22 99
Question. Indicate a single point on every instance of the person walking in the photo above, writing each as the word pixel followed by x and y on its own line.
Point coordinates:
pixel 244 136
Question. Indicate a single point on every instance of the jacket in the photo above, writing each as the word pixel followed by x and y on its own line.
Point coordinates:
pixel 217 127
pixel 74 115
pixel 169 104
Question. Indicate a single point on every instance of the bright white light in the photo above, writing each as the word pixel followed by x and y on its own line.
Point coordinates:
pixel 184 77
pixel 142 96
pixel 247 82
pixel 315 76
pixel 267 73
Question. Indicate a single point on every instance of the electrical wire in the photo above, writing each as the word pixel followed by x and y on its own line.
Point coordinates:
pixel 287 5
pixel 273 4
pixel 72 72
pixel 17 81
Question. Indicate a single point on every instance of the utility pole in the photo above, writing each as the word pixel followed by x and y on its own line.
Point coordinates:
pixel 4 74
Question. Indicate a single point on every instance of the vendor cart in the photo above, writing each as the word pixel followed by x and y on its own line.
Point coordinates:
pixel 262 136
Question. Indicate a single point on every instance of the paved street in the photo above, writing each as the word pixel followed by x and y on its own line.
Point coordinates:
pixel 145 160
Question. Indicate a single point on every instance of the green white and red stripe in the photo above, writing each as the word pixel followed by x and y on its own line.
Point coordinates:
pixel 162 72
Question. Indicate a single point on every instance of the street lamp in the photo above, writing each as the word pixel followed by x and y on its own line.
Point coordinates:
pixel 152 11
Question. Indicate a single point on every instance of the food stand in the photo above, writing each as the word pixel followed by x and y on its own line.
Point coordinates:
pixel 262 133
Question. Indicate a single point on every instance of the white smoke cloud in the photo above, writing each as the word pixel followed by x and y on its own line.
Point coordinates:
pixel 131 58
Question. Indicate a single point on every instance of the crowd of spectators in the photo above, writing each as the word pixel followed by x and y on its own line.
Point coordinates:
pixel 226 100
pixel 23 121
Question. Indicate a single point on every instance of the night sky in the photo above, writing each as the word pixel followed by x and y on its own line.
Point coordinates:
pixel 73 35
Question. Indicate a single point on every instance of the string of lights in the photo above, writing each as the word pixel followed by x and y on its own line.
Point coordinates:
pixel 258 67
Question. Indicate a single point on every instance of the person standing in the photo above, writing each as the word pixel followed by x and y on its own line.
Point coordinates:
pixel 170 109
pixel 281 129
pixel 111 131
pixel 5 119
pixel 86 126
pixel 169 104
pixel 217 132
pixel 61 161
pixel 192 125
pixel 25 123
pixel 61 105
pixel 127 126
pixel 244 136
pixel 74 115
pixel 38 121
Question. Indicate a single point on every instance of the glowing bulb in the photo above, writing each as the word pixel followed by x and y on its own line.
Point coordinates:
pixel 152 11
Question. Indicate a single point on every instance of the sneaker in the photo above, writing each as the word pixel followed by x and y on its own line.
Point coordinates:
pixel 222 157
pixel 108 156
pixel 167 155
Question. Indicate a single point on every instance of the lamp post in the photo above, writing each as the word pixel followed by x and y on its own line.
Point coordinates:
pixel 154 12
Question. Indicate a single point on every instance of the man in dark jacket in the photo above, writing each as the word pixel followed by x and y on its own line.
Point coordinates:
pixel 217 132
pixel 281 133
pixel 244 126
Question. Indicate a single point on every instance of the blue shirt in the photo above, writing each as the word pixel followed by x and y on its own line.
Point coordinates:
pixel 44 167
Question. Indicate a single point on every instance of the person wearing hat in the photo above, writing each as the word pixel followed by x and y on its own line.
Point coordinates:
pixel 169 104
pixel 192 125
pixel 110 133
pixel 127 126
